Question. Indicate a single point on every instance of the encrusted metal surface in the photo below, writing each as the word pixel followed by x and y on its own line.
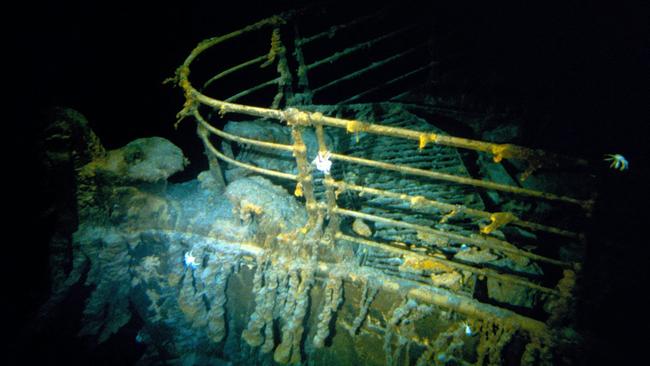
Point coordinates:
pixel 399 208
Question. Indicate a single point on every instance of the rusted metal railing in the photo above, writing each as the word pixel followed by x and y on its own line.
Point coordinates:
pixel 299 120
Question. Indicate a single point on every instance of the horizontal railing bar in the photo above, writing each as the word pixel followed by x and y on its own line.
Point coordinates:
pixel 305 118
pixel 447 207
pixel 499 150
pixel 407 92
pixel 253 89
pixel 228 107
pixel 361 71
pixel 354 126
pixel 456 179
pixel 357 47
pixel 250 167
pixel 205 44
pixel 463 267
pixel 490 243
pixel 513 151
pixel 389 82
pixel 253 61
pixel 336 28
pixel 239 139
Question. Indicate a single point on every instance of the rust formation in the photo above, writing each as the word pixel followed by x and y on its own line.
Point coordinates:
pixel 438 255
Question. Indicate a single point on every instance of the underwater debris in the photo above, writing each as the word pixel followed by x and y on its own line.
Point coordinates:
pixel 288 351
pixel 264 300
pixel 217 295
pixel 333 297
pixel 493 337
pixel 264 208
pixel 447 347
pixel 401 327
pixel 369 293
pixel 190 302
pixel 537 352
pixel 107 308
pixel 184 243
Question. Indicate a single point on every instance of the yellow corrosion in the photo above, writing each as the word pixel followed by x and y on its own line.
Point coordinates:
pixel 417 201
pixel 286 237
pixel 222 110
pixel 295 116
pixel 499 152
pixel 406 251
pixel 443 272
pixel 338 191
pixel 425 264
pixel 316 116
pixel 276 47
pixel 354 126
pixel 535 158
pixel 533 164
pixel 449 215
pixel 361 228
pixel 247 209
pixel 509 151
pixel 298 191
pixel 498 219
pixel 425 138
pixel 450 280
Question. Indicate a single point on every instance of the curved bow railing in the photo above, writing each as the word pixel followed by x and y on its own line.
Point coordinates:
pixel 298 120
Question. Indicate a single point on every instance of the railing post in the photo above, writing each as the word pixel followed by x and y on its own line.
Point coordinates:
pixel 305 183
pixel 334 221
pixel 213 162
